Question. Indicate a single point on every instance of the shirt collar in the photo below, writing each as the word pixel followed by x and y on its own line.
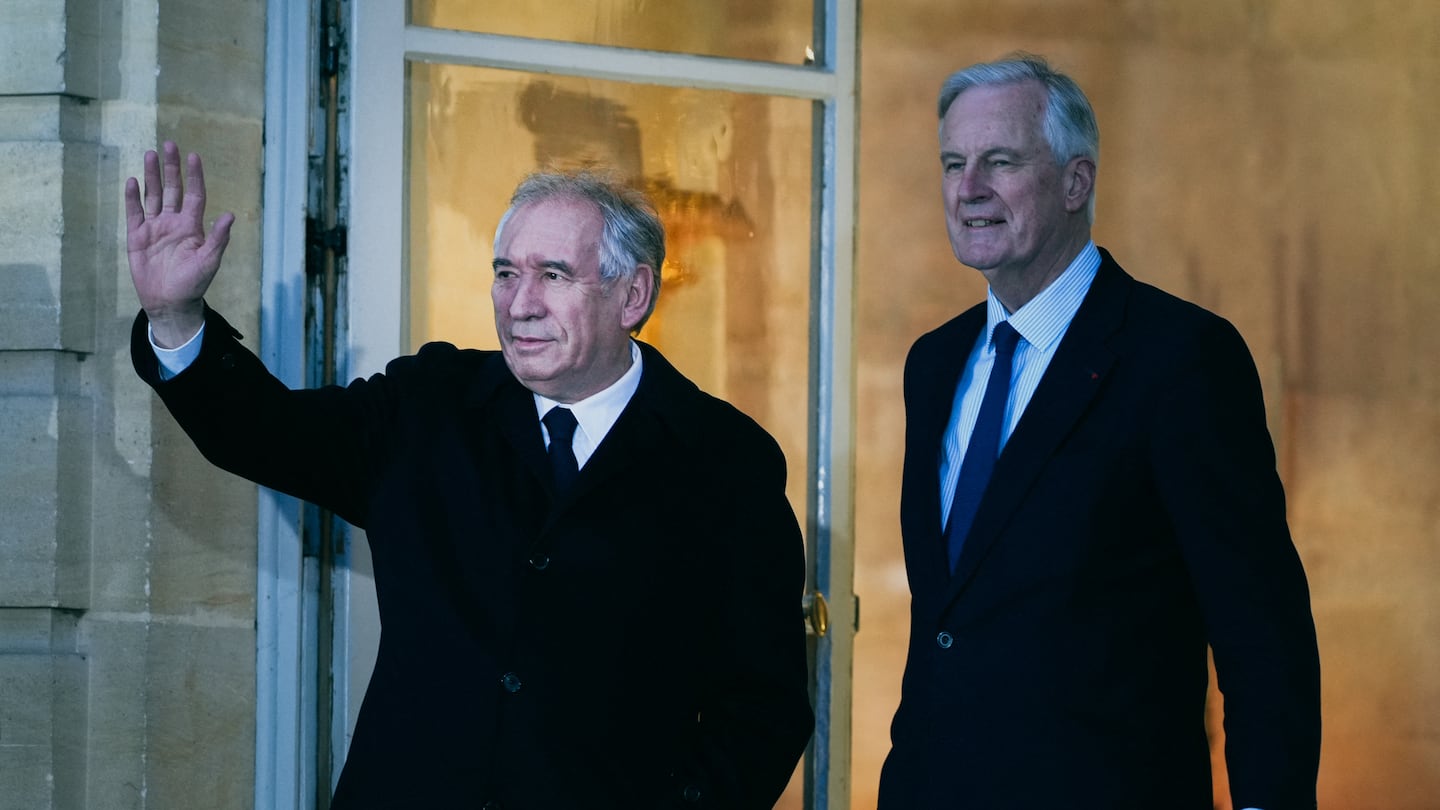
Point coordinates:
pixel 597 413
pixel 1044 318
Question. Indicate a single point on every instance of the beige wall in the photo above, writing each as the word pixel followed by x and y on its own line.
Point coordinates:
pixel 127 580
pixel 1272 161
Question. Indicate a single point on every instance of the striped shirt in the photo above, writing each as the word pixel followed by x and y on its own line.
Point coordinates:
pixel 1042 323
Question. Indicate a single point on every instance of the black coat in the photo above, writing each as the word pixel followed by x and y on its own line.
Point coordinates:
pixel 1134 515
pixel 638 643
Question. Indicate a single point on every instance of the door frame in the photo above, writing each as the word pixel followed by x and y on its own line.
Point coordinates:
pixel 378 44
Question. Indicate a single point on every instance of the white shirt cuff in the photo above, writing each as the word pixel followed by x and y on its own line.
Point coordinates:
pixel 174 361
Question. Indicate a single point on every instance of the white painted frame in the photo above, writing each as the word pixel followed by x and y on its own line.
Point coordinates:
pixel 380 45
pixel 284 660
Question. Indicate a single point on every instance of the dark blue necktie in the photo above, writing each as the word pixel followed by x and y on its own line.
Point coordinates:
pixel 984 446
pixel 561 424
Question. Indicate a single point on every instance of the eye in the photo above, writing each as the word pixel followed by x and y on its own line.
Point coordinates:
pixel 504 273
pixel 553 276
pixel 954 165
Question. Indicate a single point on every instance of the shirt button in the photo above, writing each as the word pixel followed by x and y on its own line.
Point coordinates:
pixel 493 805
pixel 511 682
pixel 944 639
pixel 540 562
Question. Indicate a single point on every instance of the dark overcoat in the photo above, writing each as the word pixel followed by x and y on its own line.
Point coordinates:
pixel 638 643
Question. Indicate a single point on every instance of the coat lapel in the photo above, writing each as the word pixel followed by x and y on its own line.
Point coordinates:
pixel 1075 375
pixel 634 438
pixel 498 414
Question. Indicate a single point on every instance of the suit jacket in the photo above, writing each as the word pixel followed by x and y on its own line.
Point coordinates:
pixel 1133 516
pixel 637 643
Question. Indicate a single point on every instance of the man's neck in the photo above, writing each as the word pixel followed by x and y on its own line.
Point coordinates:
pixel 1016 289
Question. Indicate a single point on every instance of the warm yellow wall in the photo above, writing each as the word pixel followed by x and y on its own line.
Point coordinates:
pixel 1271 161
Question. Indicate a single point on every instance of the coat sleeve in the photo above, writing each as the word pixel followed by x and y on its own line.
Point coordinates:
pixel 1216 473
pixel 313 444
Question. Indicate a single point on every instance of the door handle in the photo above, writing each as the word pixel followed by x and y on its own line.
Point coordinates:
pixel 817 614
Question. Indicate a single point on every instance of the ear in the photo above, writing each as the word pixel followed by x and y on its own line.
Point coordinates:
pixel 639 292
pixel 1078 179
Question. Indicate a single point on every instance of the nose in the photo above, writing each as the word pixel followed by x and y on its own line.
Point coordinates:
pixel 972 185
pixel 528 300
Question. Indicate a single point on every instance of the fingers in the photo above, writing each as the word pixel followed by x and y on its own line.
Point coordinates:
pixel 194 201
pixel 150 208
pixel 134 214
pixel 165 187
pixel 152 184
pixel 172 185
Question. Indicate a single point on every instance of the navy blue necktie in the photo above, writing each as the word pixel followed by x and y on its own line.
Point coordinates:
pixel 561 424
pixel 984 446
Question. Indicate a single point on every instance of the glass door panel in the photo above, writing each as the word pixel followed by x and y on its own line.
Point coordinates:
pixel 763 30
pixel 730 177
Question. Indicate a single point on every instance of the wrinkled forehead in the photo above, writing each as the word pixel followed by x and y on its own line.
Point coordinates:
pixel 565 224
pixel 991 116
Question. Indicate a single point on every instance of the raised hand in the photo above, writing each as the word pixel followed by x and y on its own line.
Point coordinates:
pixel 172 260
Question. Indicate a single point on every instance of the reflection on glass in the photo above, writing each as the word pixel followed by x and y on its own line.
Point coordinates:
pixel 762 30
pixel 730 176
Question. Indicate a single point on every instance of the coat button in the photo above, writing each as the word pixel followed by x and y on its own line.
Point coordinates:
pixel 944 639
pixel 511 682
pixel 540 562
pixel 493 805
pixel 691 794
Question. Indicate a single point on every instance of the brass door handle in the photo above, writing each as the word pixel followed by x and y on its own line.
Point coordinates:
pixel 817 614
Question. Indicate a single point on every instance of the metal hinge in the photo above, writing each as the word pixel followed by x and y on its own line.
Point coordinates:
pixel 318 237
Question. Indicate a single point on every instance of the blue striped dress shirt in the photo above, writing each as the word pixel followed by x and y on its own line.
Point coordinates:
pixel 1041 323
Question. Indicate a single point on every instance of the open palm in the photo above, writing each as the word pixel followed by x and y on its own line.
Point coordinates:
pixel 172 259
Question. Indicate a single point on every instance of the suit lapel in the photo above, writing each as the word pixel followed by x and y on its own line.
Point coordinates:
pixel 929 396
pixel 1070 383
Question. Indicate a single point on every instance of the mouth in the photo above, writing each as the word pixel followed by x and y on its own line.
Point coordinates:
pixel 981 223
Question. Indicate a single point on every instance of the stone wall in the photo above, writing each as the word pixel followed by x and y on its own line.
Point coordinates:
pixel 127 568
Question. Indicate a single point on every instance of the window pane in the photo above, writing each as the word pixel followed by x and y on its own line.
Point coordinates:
pixel 763 30
pixel 730 176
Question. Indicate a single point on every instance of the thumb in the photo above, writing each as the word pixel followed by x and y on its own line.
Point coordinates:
pixel 219 238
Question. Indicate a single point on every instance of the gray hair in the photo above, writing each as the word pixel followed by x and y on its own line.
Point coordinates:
pixel 631 232
pixel 1069 125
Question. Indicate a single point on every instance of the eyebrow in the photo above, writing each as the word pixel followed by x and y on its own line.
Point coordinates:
pixel 558 265
pixel 989 152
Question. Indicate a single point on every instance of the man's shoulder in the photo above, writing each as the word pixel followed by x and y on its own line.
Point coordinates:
pixel 441 368
pixel 1159 322
pixel 441 359
pixel 956 334
pixel 1156 311
pixel 695 416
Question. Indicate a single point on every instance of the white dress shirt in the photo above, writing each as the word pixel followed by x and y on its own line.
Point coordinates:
pixel 597 413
